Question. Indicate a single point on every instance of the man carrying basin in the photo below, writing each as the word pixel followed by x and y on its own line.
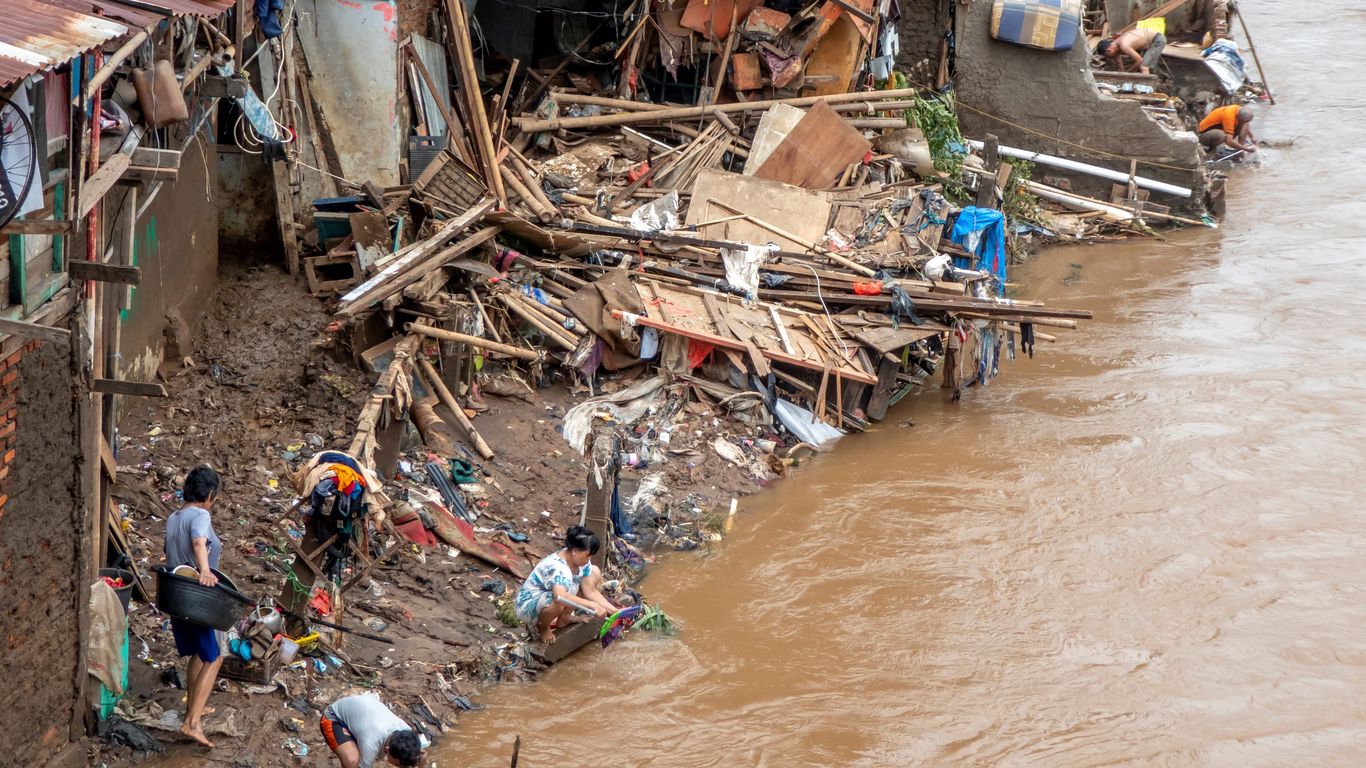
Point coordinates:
pixel 192 543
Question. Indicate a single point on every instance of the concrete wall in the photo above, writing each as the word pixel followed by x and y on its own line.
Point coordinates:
pixel 42 553
pixel 1047 102
pixel 176 245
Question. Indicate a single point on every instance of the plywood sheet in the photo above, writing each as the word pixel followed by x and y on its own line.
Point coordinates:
pixel 774 126
pixel 836 54
pixel 817 151
pixel 802 212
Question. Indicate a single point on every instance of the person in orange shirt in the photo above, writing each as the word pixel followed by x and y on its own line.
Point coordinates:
pixel 1229 126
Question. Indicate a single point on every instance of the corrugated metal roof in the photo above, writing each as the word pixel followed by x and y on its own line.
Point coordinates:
pixel 36 35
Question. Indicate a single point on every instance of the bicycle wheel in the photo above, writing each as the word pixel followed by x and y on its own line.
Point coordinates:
pixel 18 159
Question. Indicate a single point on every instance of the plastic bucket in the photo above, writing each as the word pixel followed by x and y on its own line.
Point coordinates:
pixel 125 592
pixel 186 599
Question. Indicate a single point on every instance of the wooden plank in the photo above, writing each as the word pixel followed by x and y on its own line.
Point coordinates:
pixel 156 158
pixel 104 273
pixel 107 462
pixel 100 182
pixel 821 146
pixel 888 339
pixel 721 341
pixel 38 227
pixel 413 265
pixel 804 213
pixel 150 173
pixel 34 331
pixel 130 388
pixel 883 388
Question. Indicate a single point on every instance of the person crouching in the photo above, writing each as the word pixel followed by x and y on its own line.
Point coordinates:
pixel 360 730
pixel 563 582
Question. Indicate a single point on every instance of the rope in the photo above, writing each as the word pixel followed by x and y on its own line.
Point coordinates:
pixel 1041 134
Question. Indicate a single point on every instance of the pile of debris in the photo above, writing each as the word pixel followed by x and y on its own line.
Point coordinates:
pixel 758 258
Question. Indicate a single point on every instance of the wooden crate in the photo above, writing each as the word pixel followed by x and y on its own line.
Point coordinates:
pixel 255 672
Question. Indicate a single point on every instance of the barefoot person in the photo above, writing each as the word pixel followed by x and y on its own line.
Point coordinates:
pixel 563 577
pixel 1142 49
pixel 190 541
pixel 361 730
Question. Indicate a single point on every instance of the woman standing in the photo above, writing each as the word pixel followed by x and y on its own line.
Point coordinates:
pixel 563 577
pixel 190 541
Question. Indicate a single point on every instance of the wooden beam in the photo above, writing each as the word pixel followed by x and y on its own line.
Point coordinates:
pixel 34 331
pixel 38 227
pixel 157 158
pixel 100 182
pixel 130 388
pixel 104 273
pixel 138 173
pixel 107 462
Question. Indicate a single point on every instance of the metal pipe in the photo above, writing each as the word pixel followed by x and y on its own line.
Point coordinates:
pixel 1087 168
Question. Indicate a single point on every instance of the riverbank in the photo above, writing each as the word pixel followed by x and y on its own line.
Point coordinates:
pixel 255 407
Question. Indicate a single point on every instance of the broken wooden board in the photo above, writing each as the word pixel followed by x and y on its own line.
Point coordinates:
pixel 774 126
pixel 802 212
pixel 836 54
pixel 888 339
pixel 747 329
pixel 371 232
pixel 816 152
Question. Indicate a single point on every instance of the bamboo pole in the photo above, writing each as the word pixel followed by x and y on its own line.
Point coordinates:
pixel 561 96
pixel 110 64
pixel 536 320
pixel 523 169
pixel 484 313
pixel 532 125
pixel 511 180
pixel 469 83
pixel 473 341
pixel 1255 58
pixel 438 386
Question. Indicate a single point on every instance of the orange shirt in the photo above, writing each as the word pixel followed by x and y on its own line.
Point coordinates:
pixel 1223 117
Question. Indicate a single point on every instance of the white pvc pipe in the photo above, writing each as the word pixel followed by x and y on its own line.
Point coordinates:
pixel 1092 170
pixel 1117 215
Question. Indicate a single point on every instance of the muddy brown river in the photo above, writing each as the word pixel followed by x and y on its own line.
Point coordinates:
pixel 1145 546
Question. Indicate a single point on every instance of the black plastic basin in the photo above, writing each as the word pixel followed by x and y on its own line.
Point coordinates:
pixel 218 606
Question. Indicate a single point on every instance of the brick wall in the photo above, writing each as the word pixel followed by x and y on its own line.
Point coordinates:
pixel 40 552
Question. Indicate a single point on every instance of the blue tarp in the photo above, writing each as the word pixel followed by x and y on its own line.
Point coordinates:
pixel 982 231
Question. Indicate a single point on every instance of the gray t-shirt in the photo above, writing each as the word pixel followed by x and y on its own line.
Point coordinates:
pixel 182 528
pixel 370 722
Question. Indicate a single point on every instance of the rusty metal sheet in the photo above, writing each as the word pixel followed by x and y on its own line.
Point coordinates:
pixel 37 35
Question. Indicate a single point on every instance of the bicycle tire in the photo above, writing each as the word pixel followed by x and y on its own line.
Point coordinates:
pixel 7 106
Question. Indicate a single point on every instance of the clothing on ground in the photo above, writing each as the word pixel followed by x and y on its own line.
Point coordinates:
pixel 538 591
pixel 182 528
pixel 368 721
pixel 1223 117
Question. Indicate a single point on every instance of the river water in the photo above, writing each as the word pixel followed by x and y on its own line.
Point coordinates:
pixel 1143 547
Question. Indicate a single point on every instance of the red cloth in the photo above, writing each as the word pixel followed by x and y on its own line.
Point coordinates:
pixel 870 288
pixel 697 352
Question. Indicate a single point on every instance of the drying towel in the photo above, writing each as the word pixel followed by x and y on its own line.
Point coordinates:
pixel 1052 25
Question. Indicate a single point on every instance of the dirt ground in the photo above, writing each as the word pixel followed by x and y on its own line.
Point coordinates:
pixel 267 388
